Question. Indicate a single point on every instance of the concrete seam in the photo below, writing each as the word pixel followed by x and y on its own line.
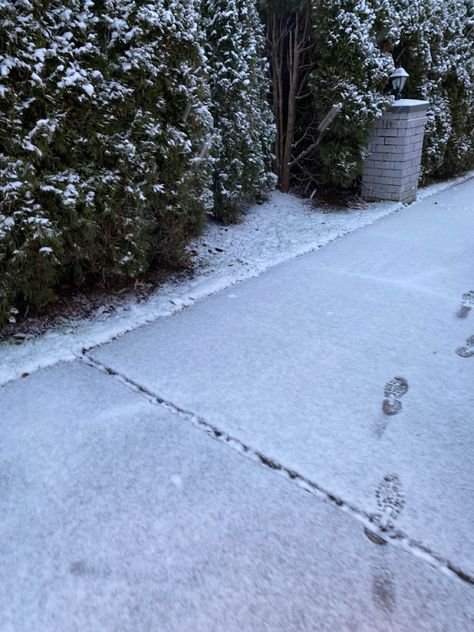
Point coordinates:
pixel 371 529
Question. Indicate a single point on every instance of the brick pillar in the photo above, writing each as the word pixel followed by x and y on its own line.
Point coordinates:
pixel 392 168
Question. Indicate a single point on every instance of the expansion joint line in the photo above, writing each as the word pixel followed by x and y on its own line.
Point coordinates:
pixel 368 521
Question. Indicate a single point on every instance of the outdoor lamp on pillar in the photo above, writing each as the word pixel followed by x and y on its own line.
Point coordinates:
pixel 398 79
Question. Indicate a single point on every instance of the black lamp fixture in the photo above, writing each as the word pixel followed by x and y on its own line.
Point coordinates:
pixel 398 79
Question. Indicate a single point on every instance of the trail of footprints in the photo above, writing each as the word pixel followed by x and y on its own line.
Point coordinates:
pixel 389 493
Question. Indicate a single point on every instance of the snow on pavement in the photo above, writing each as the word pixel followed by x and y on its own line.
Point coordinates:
pixel 119 515
pixel 350 366
pixel 281 229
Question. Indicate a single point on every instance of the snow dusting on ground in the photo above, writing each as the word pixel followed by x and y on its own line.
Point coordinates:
pixel 351 366
pixel 281 229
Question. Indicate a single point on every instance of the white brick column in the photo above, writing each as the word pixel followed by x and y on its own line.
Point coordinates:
pixel 392 168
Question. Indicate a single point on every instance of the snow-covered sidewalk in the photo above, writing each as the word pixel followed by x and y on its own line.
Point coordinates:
pixel 279 230
pixel 291 453
pixel 346 366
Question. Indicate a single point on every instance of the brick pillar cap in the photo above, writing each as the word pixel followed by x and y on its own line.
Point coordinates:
pixel 409 105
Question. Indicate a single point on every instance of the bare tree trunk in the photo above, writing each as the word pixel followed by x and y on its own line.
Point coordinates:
pixel 294 74
pixel 289 41
pixel 276 87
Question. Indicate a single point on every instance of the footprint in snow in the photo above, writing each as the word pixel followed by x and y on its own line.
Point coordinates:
pixel 384 590
pixel 390 501
pixel 393 391
pixel 466 305
pixel 468 350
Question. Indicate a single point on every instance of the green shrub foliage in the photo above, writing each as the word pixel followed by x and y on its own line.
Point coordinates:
pixel 104 135
pixel 357 44
pixel 353 63
pixel 244 129
pixel 439 59
pixel 124 122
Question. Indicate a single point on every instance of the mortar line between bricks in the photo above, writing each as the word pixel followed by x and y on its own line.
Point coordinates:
pixel 368 521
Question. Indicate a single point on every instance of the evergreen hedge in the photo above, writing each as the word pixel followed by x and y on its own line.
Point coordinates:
pixel 243 120
pixel 357 44
pixel 351 70
pixel 124 122
pixel 105 131
pixel 439 59
pixel 115 141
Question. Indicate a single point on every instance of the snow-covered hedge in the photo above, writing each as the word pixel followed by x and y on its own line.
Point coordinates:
pixel 357 42
pixel 439 58
pixel 351 70
pixel 242 116
pixel 107 144
pixel 104 125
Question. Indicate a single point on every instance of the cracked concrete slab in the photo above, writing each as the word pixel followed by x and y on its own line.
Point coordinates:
pixel 119 515
pixel 298 364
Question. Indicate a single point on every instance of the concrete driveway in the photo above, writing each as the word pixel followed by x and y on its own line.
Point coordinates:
pixel 294 453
